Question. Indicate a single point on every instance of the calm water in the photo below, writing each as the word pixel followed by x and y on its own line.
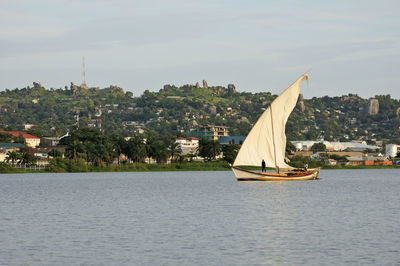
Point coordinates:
pixel 199 218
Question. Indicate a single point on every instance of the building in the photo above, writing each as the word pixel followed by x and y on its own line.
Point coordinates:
pixel 200 134
pixel 30 140
pixel 305 145
pixel 368 160
pixel 50 141
pixel 188 145
pixel 6 147
pixel 391 150
pixel 211 132
pixel 28 126
pixel 232 139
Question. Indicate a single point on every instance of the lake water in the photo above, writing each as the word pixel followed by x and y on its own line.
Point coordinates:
pixel 349 217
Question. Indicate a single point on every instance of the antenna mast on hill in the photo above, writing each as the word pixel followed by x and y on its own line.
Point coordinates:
pixel 83 72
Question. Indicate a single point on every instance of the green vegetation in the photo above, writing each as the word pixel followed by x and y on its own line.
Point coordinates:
pixel 146 126
pixel 59 165
pixel 174 110
pixel 319 146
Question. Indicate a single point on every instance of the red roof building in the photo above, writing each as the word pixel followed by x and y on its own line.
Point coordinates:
pixel 31 141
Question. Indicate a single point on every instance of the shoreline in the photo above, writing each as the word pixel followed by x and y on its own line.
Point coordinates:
pixel 206 166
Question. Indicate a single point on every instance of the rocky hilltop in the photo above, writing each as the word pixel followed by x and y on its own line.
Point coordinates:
pixel 175 110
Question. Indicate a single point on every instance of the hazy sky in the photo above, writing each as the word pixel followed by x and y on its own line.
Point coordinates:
pixel 259 45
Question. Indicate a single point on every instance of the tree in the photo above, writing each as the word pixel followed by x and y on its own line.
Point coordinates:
pixel 160 151
pixel 27 158
pixel 55 153
pixel 5 137
pixel 290 148
pixel 119 145
pixel 135 149
pixel 209 149
pixel 230 152
pixel 74 150
pixel 215 148
pixel 12 156
pixel 19 139
pixel 204 149
pixel 316 147
pixel 149 147
pixel 174 149
pixel 89 143
pixel 35 132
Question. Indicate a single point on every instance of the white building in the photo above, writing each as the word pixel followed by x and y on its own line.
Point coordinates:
pixel 391 150
pixel 305 145
pixel 188 145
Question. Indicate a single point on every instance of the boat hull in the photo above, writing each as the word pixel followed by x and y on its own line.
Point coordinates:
pixel 247 175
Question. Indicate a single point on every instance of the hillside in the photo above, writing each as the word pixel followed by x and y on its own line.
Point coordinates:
pixel 174 110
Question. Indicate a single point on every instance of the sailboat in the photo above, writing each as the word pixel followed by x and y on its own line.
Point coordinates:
pixel 267 142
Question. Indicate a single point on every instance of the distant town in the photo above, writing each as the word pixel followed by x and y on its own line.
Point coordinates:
pixel 76 127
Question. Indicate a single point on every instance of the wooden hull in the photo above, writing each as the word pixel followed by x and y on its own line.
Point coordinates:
pixel 247 175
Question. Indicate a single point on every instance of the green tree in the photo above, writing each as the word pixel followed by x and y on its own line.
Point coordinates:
pixel 135 149
pixel 55 153
pixel 149 147
pixel 319 146
pixel 27 158
pixel 12 156
pixel 230 152
pixel 5 137
pixel 209 149
pixel 19 139
pixel 290 148
pixel 174 149
pixel 215 148
pixel 74 150
pixel 160 151
pixel 119 145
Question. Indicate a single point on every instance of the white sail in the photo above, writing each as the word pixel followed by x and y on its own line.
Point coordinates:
pixel 267 140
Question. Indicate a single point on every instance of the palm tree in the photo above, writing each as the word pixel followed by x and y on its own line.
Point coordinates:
pixel 73 150
pixel 119 144
pixel 12 156
pixel 204 149
pixel 174 148
pixel 215 148
pixel 135 149
pixel 150 150
pixel 160 152
pixel 27 158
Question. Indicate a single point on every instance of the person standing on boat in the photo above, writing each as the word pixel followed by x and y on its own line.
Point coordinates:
pixel 263 166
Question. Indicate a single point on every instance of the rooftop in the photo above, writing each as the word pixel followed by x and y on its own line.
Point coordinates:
pixel 11 145
pixel 18 133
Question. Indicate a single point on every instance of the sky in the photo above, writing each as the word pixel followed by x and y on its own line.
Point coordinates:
pixel 258 45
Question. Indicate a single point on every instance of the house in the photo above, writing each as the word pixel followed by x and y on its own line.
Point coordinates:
pixel 211 132
pixel 30 140
pixel 330 162
pixel 7 147
pixel 50 141
pixel 368 160
pixel 188 145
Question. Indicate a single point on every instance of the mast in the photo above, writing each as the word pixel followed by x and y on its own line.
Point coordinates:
pixel 267 139
pixel 83 72
pixel 273 137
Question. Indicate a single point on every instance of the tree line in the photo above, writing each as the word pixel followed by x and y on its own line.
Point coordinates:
pixel 98 149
